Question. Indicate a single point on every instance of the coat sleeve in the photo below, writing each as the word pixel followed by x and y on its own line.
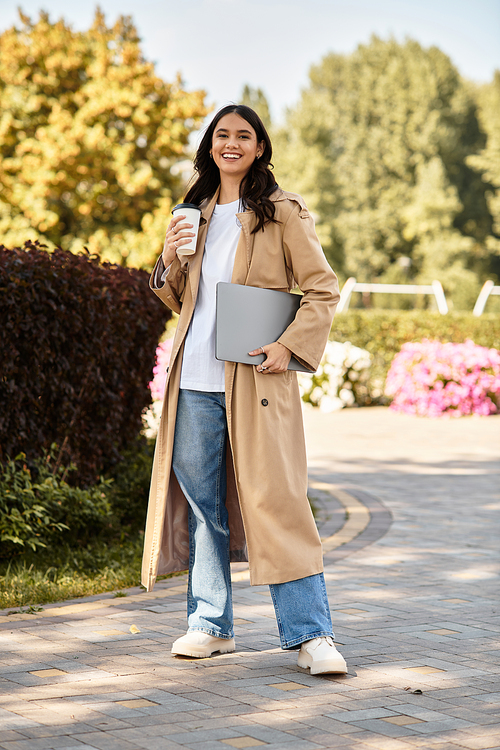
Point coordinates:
pixel 171 290
pixel 306 337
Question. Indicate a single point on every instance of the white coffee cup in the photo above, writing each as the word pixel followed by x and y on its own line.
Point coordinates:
pixel 192 214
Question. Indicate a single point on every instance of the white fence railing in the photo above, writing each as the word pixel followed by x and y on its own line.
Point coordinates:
pixel 435 289
pixel 488 288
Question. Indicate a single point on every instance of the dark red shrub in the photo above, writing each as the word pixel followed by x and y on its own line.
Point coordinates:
pixel 77 348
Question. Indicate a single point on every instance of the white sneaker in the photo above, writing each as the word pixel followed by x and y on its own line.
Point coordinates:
pixel 321 656
pixel 198 644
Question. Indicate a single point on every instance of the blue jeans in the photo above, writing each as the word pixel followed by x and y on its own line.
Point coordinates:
pixel 199 463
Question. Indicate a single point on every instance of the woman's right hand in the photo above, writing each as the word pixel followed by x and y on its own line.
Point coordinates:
pixel 178 234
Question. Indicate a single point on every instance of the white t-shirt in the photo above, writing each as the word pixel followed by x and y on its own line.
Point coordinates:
pixel 200 370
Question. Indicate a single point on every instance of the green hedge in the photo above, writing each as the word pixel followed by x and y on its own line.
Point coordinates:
pixel 38 508
pixel 41 512
pixel 77 350
pixel 383 332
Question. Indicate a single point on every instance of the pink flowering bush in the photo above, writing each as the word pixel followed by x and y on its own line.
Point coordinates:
pixel 157 385
pixel 433 379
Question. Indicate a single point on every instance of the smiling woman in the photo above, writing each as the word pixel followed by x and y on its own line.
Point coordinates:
pixel 230 474
pixel 253 181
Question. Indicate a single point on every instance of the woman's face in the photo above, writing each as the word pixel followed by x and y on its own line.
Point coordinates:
pixel 235 146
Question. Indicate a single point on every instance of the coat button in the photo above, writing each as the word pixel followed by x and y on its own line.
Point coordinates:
pixel 264 402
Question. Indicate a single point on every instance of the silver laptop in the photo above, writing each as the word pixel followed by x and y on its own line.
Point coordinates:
pixel 249 317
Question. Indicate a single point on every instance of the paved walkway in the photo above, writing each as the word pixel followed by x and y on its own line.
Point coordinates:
pixel 409 509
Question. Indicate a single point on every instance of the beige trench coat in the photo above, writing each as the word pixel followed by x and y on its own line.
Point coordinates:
pixel 269 515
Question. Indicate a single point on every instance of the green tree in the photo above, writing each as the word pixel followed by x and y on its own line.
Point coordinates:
pixel 487 162
pixel 90 138
pixel 257 100
pixel 378 146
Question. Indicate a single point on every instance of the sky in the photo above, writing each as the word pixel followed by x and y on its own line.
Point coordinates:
pixel 219 45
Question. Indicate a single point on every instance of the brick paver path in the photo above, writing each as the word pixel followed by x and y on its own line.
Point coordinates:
pixel 409 510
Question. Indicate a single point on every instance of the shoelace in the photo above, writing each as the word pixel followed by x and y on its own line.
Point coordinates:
pixel 317 641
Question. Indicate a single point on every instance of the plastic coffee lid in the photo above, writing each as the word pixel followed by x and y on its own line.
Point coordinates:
pixel 186 205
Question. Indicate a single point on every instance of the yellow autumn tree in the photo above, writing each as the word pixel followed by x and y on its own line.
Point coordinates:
pixel 91 139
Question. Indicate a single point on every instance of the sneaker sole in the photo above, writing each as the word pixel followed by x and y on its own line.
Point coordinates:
pixel 202 652
pixel 328 666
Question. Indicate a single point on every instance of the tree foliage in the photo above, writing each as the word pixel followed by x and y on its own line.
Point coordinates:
pixel 487 162
pixel 379 146
pixel 257 100
pixel 90 138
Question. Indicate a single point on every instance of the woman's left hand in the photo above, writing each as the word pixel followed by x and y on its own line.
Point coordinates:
pixel 277 358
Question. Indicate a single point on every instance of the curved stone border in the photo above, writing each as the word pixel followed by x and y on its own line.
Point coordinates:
pixel 367 520
pixel 357 516
pixel 98 601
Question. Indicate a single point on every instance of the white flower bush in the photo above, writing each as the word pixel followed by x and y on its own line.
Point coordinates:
pixel 151 419
pixel 340 379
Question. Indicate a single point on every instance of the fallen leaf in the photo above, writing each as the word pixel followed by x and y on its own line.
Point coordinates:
pixel 134 629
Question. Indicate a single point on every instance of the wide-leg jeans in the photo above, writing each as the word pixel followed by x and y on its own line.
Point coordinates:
pixel 199 463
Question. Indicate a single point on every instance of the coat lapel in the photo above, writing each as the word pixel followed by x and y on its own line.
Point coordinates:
pixel 244 251
pixel 245 248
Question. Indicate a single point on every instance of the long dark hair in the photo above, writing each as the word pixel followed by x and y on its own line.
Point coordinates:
pixel 258 183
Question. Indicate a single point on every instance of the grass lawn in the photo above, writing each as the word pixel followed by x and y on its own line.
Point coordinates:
pixel 40 578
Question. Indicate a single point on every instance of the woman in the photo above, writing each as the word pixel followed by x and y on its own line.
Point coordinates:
pixel 230 476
